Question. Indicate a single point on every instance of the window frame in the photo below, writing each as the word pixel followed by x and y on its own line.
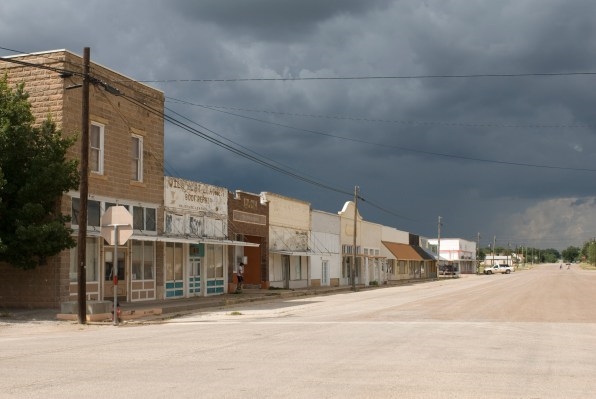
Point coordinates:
pixel 100 150
pixel 137 175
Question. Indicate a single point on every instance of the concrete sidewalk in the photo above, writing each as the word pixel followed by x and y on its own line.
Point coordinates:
pixel 170 308
pixel 164 309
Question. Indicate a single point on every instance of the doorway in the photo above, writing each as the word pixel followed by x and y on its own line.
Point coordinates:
pixel 285 267
pixel 122 280
pixel 325 273
pixel 194 277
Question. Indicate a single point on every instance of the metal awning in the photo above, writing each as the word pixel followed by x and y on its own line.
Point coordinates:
pixel 185 240
pixel 292 253
pixel 406 252
pixel 193 240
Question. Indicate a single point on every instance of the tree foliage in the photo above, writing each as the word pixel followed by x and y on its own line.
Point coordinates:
pixel 588 251
pixel 35 174
pixel 570 253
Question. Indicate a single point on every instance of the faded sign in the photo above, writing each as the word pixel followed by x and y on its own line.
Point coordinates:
pixel 186 195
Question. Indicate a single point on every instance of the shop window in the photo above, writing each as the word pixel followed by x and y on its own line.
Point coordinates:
pixel 93 212
pixel 143 260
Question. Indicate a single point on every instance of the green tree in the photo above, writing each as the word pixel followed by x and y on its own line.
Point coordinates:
pixel 570 254
pixel 36 174
pixel 550 255
pixel 588 251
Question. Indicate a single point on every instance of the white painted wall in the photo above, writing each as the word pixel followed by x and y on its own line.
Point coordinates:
pixel 289 230
pixel 325 243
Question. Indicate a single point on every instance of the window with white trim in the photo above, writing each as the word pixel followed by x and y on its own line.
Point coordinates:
pixel 143 260
pixel 96 149
pixel 136 163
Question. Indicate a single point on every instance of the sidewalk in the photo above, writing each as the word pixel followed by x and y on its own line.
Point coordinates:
pixel 156 310
pixel 164 309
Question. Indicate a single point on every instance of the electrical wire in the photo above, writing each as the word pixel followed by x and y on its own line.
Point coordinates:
pixel 260 161
pixel 232 149
pixel 392 121
pixel 406 149
pixel 390 77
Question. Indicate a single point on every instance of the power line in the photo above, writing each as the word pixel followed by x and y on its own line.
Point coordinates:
pixel 232 149
pixel 389 77
pixel 393 121
pixel 253 158
pixel 182 125
pixel 61 71
pixel 407 149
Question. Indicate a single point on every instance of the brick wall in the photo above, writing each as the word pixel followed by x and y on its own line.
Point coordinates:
pixel 48 286
pixel 250 205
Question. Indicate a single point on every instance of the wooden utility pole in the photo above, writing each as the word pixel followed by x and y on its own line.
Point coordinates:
pixel 494 244
pixel 438 247
pixel 353 265
pixel 478 253
pixel 84 193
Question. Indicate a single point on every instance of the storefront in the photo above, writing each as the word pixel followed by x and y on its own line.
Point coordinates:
pixel 137 258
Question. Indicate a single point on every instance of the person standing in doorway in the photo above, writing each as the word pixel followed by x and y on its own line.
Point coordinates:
pixel 240 276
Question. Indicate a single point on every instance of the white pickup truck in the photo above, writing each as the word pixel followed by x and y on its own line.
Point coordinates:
pixel 498 269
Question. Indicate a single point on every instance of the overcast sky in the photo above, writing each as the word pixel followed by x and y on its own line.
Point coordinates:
pixel 511 156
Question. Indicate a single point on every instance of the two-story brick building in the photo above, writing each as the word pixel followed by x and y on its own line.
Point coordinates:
pixel 126 159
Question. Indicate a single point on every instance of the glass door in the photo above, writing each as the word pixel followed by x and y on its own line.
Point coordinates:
pixel 174 271
pixel 194 277
pixel 121 281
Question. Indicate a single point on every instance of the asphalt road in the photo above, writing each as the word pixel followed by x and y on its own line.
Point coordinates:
pixel 530 334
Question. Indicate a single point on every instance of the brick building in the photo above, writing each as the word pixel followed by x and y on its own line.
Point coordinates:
pixel 126 160
pixel 249 222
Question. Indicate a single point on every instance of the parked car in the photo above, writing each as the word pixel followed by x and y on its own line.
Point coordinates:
pixel 499 268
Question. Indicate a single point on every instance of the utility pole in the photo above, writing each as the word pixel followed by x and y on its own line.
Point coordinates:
pixel 84 193
pixel 494 243
pixel 478 253
pixel 438 247
pixel 353 265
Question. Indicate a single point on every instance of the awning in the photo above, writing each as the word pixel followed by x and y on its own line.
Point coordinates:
pixel 185 240
pixel 195 240
pixel 406 252
pixel 292 253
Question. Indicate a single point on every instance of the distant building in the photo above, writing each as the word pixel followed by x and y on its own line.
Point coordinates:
pixel 456 252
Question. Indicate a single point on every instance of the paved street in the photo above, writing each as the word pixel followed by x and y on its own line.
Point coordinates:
pixel 530 334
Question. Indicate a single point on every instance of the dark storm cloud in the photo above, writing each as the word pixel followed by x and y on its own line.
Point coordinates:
pixel 414 146
pixel 270 20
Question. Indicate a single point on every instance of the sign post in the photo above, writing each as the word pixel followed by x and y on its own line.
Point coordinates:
pixel 116 229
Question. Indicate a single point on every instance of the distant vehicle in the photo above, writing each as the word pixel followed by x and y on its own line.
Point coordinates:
pixel 447 270
pixel 501 268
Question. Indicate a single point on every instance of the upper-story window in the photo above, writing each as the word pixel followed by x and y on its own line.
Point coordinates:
pixel 96 150
pixel 137 158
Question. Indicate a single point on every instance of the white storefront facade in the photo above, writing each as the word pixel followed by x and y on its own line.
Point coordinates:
pixel 325 262
pixel 289 230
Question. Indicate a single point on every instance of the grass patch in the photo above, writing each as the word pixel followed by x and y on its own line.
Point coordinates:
pixel 5 314
pixel 236 313
pixel 587 266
